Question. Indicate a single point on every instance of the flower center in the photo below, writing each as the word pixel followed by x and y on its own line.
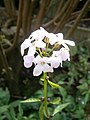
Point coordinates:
pixel 42 63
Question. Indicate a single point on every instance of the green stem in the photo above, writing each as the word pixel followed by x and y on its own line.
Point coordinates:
pixel 45 94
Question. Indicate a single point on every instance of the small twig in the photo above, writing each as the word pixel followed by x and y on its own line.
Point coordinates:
pixel 73 15
pixel 42 12
pixel 58 16
pixel 19 23
pixel 30 17
pixel 26 13
pixel 18 97
pixel 66 15
pixel 82 20
pixel 62 2
pixel 10 8
pixel 5 63
pixel 84 9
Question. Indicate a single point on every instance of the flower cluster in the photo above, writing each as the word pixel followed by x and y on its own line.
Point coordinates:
pixel 45 50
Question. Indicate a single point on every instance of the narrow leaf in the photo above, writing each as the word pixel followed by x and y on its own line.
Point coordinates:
pixel 56 101
pixel 59 108
pixel 31 100
pixel 54 85
pixel 41 112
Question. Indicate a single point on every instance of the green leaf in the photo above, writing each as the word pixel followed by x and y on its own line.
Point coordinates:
pixel 83 87
pixel 41 112
pixel 7 115
pixel 87 97
pixel 73 50
pixel 56 101
pixel 4 96
pixel 20 113
pixel 63 92
pixel 53 84
pixel 60 108
pixel 15 103
pixel 3 108
pixel 2 117
pixel 10 115
pixel 31 100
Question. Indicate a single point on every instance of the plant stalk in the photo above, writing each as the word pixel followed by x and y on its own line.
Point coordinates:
pixel 45 94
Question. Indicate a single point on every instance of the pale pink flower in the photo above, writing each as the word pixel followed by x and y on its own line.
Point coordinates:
pixel 28 61
pixel 41 65
pixel 64 53
pixel 63 42
pixel 61 55
pixel 45 62
pixel 56 61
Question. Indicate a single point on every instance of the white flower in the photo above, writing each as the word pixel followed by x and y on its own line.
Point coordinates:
pixel 28 60
pixel 64 53
pixel 41 65
pixel 41 33
pixel 56 59
pixel 31 50
pixel 38 42
pixel 32 46
pixel 25 45
pixel 38 34
pixel 59 56
pixel 52 38
pixel 63 42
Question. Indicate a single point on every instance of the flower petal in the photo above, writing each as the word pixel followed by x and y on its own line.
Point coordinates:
pixel 38 34
pixel 52 38
pixel 32 50
pixel 25 45
pixel 47 68
pixel 69 42
pixel 46 59
pixel 56 61
pixel 40 44
pixel 60 36
pixel 56 53
pixel 65 45
pixel 27 65
pixel 44 32
pixel 38 59
pixel 65 55
pixel 37 70
pixel 34 35
pixel 28 61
